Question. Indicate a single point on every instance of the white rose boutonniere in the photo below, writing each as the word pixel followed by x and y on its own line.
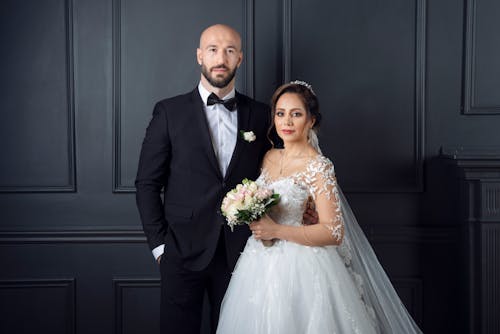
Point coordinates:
pixel 248 136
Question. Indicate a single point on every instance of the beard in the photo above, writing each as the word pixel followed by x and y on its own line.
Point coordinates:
pixel 217 81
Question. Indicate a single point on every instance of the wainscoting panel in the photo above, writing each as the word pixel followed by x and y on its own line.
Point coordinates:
pixel 397 80
pixel 168 67
pixel 131 295
pixel 482 58
pixel 38 306
pixel 36 94
pixel 371 87
pixel 411 291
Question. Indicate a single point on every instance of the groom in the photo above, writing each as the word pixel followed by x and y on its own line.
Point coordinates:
pixel 195 152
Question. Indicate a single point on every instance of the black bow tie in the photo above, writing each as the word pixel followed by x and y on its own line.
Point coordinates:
pixel 230 104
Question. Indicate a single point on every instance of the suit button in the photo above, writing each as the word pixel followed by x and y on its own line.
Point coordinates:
pixel 223 184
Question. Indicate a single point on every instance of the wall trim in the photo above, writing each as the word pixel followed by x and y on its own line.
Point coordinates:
pixel 70 94
pixel 419 110
pixel 71 237
pixel 66 283
pixel 419 90
pixel 118 187
pixel 286 39
pixel 249 38
pixel 119 284
pixel 248 34
pixel 469 103
pixel 376 234
pixel 415 285
pixel 389 234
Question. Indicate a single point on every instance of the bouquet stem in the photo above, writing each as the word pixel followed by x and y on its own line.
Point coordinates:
pixel 268 243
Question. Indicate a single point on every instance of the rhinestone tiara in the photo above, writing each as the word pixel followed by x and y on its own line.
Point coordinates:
pixel 303 83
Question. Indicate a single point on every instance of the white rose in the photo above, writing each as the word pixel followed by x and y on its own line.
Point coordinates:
pixel 232 211
pixel 249 136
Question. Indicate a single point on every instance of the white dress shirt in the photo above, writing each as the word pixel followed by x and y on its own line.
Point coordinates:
pixel 223 127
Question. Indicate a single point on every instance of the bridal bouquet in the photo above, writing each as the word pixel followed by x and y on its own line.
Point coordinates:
pixel 246 203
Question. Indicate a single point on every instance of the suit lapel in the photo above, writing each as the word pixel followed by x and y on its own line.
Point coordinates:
pixel 243 123
pixel 205 137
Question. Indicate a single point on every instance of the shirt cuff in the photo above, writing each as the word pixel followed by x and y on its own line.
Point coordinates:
pixel 158 251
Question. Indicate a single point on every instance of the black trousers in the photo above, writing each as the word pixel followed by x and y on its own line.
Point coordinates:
pixel 182 292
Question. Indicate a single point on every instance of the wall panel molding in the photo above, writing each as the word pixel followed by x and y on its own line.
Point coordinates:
pixel 248 10
pixel 71 237
pixel 412 288
pixel 419 92
pixel 286 38
pixel 249 47
pixel 389 234
pixel 120 286
pixel 420 97
pixel 377 234
pixel 419 110
pixel 69 307
pixel 470 103
pixel 116 24
pixel 70 108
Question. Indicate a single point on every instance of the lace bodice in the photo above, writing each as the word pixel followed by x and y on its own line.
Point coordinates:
pixel 317 182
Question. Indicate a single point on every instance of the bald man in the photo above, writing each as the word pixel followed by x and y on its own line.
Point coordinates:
pixel 194 151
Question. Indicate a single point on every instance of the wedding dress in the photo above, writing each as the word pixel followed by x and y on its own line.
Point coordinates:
pixel 291 288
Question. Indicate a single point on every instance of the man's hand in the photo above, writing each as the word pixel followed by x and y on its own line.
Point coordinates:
pixel 310 216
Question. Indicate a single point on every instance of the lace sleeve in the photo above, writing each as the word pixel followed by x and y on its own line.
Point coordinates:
pixel 320 176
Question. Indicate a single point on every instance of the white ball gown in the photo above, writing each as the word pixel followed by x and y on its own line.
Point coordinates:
pixel 291 288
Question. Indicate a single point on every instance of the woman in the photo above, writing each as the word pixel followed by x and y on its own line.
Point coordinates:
pixel 321 278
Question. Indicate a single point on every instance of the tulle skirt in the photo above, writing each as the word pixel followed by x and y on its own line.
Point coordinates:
pixel 290 288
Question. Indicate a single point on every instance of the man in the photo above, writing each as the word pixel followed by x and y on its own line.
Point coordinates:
pixel 194 151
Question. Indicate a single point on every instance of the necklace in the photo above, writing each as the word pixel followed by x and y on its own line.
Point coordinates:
pixel 282 166
pixel 281 163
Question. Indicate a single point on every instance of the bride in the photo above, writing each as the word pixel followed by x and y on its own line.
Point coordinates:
pixel 322 278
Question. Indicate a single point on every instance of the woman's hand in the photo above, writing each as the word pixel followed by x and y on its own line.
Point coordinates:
pixel 265 228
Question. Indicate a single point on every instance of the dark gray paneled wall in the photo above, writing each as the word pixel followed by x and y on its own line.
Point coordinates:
pixel 37 61
pixel 367 62
pixel 156 60
pixel 397 80
pixel 482 58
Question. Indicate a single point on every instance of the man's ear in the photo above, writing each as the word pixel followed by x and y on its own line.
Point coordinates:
pixel 241 59
pixel 199 58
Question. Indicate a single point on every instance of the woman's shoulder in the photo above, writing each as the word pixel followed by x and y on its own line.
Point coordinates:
pixel 272 155
pixel 270 159
pixel 321 159
pixel 320 164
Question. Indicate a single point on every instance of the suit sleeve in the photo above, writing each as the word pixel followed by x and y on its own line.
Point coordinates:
pixel 152 177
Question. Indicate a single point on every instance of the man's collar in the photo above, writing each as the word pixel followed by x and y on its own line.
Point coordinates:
pixel 204 93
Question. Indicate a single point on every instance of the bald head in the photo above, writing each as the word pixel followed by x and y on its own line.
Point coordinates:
pixel 220 32
pixel 219 56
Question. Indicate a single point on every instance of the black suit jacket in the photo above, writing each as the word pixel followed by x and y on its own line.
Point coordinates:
pixel 177 157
